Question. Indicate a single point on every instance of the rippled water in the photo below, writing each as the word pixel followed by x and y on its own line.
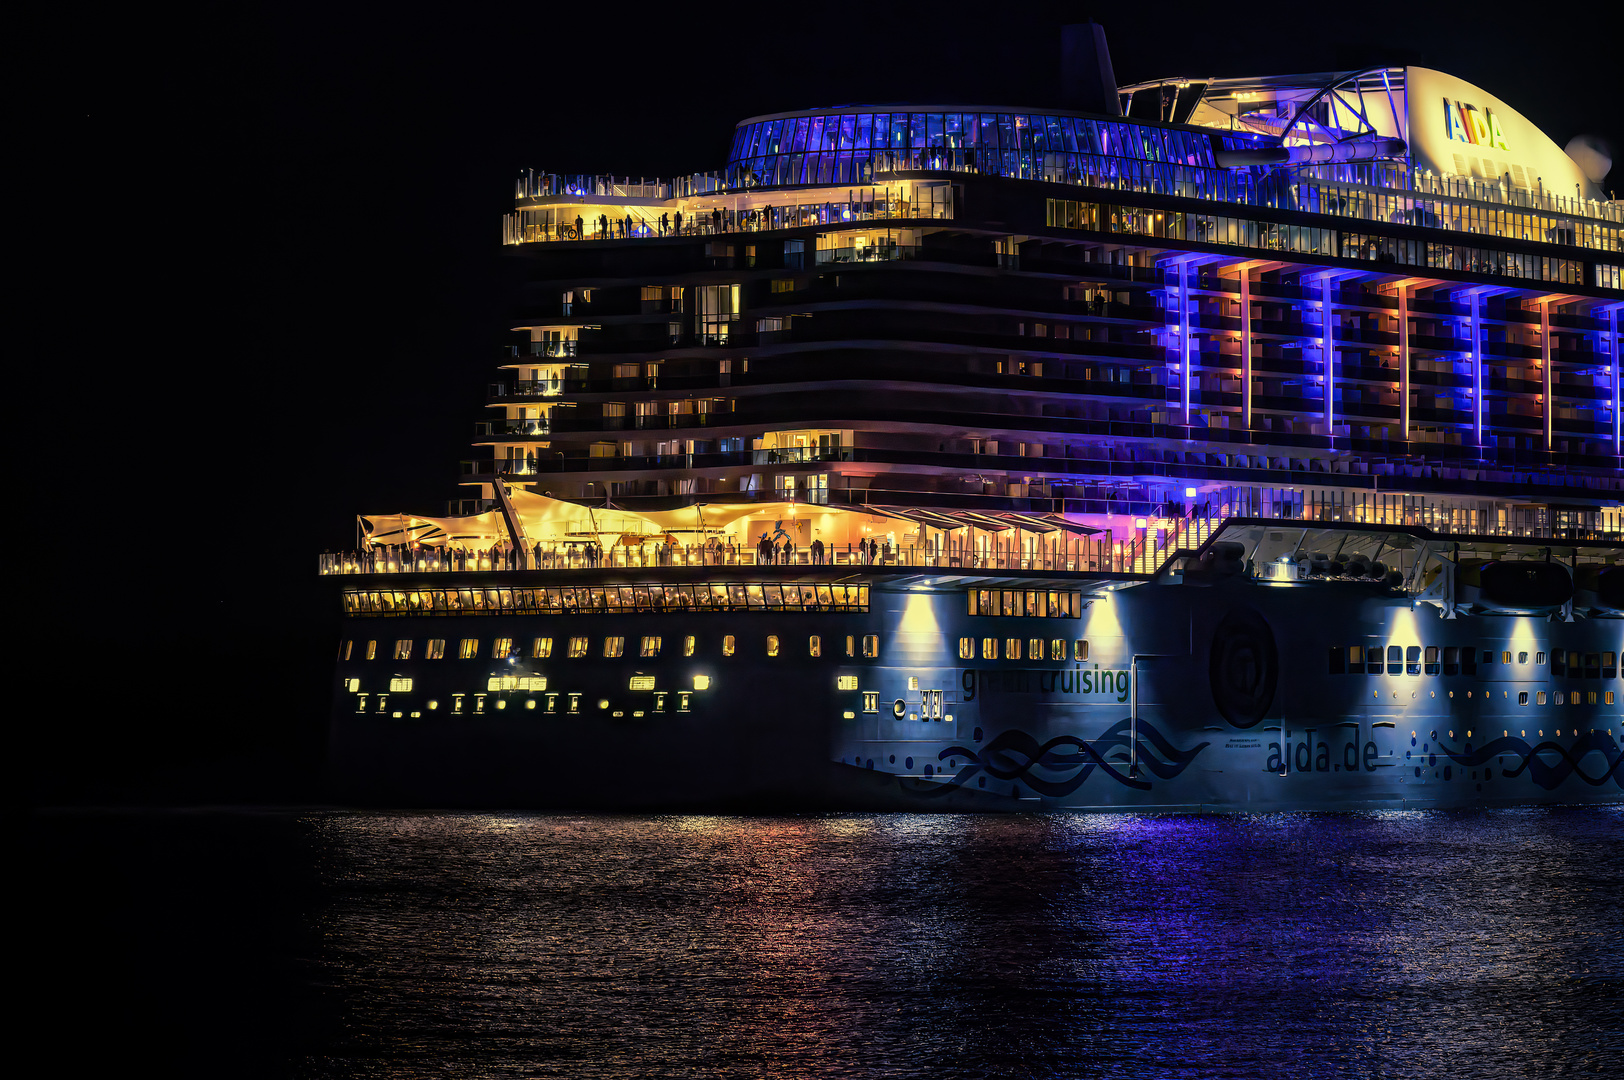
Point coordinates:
pixel 401 945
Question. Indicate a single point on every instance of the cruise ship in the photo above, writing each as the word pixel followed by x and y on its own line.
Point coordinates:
pixel 1204 444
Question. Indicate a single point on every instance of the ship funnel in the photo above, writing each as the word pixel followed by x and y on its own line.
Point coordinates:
pixel 1087 82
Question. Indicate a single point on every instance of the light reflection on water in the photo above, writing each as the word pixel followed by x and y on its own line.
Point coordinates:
pixel 335 944
pixel 1388 943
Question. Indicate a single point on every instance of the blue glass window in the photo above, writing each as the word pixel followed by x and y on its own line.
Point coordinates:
pixel 848 132
pixel 865 125
pixel 899 130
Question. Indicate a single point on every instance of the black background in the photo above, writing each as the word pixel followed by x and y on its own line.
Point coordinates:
pixel 270 286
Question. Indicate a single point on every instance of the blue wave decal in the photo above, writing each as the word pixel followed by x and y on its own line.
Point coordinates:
pixel 1013 755
pixel 1546 775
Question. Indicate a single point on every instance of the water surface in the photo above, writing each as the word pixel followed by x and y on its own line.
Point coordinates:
pixel 335 944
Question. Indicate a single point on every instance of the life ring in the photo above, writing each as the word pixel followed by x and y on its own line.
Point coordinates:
pixel 899 708
pixel 1243 667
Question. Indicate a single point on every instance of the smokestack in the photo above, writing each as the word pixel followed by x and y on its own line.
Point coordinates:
pixel 1087 82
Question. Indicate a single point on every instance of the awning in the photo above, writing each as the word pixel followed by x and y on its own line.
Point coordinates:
pixel 982 521
pixel 1027 522
pixel 914 515
pixel 1071 526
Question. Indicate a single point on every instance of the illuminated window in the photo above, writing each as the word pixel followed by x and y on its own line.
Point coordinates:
pixel 689 644
pixel 684 697
pixel 783 285
pixel 967 648
pixel 1505 657
pixel 541 648
pixel 400 686
pixel 1539 698
pixel 989 648
pixel 842 682
pixel 1079 650
pixel 575 703
pixel 1012 648
pixel 1034 648
pixel 701 682
pixel 1590 697
pixel 435 650
pixel 1609 696
pixel 871 701
pixel 1432 660
pixel 552 703
pixel 871 645
pixel 344 649
pixel 772 644
pixel 578 647
pixel 479 703
pixel 659 700
pixel 501 648
pixel 913 682
pixel 361 703
pixel 456 703
pixel 613 647
pixel 469 649
pixel 1057 648
pixel 728 645
pixel 372 650
pixel 651 646
pixel 851 645
pixel 814 646
pixel 403 648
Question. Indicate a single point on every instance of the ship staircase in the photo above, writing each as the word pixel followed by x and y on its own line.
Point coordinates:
pixel 1147 553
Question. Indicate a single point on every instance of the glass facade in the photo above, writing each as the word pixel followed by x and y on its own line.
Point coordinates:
pixel 851 148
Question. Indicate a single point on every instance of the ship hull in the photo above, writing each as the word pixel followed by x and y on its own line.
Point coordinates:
pixel 1227 696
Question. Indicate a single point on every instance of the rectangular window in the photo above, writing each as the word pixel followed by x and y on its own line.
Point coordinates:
pixel 1539 659
pixel 967 648
pixel 1539 698
pixel 1609 665
pixel 871 701
pixel 1057 649
pixel 501 648
pixel 541 648
pixel 1395 660
pixel 684 697
pixel 728 645
pixel 1432 660
pixel 344 650
pixel 435 649
pixel 772 644
pixel 372 650
pixel 871 645
pixel 650 647
pixel 403 649
pixel 814 646
pixel 1012 648
pixel 1079 650
pixel 398 685
pixel 1412 660
pixel 469 649
pixel 1451 660
pixel 1505 657
pixel 578 647
pixel 659 700
pixel 575 703
pixel 613 647
pixel 552 703
pixel 689 644
pixel 1522 697
pixel 845 682
pixel 989 648
pixel 1034 648
pixel 1373 659
pixel 851 645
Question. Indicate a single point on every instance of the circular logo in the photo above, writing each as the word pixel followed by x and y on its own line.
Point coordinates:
pixel 1244 667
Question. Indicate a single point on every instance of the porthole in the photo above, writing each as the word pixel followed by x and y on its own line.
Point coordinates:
pixel 898 708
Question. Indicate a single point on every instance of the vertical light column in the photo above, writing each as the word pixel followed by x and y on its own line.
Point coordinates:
pixel 1185 299
pixel 1246 347
pixel 1328 355
pixel 1548 413
pixel 1404 362
pixel 1477 368
pixel 1612 327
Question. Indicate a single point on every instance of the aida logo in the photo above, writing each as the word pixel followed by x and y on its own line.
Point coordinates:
pixel 1469 124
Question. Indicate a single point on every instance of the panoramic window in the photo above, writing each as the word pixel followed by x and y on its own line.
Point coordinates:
pixel 469 648
pixel 578 646
pixel 541 648
pixel 435 649
pixel 403 649
pixel 613 647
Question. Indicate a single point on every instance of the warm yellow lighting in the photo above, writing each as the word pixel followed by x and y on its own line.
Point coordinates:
pixel 845 682
pixel 701 682
pixel 433 705
pixel 603 703
pixel 531 704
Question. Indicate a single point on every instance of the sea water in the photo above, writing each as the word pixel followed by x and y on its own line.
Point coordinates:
pixel 335 944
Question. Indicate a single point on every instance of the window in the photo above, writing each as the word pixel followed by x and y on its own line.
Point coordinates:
pixel 871 645
pixel 403 649
pixel 1522 658
pixel 1057 649
pixel 578 646
pixel 469 649
pixel 344 650
pixel 399 685
pixel 772 644
pixel 1609 664
pixel 851 645
pixel 684 697
pixel 541 648
pixel 1539 698
pixel 781 285
pixel 501 648
pixel 1522 697
pixel 1609 696
pixel 575 703
pixel 1079 650
pixel 1451 660
pixel 1505 657
pixel 989 648
pixel 659 700
pixel 552 703
pixel 435 649
pixel 1034 648
pixel 871 701
pixel 814 646
pixel 1412 660
pixel 967 648
pixel 613 647
pixel 689 644
pixel 1012 648
pixel 372 650
pixel 650 647
pixel 727 645
pixel 1373 659
pixel 1539 659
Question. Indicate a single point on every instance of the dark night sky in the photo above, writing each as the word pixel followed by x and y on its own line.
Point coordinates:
pixel 296 209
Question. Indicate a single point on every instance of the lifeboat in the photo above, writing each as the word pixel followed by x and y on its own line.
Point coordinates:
pixel 1499 587
pixel 1600 590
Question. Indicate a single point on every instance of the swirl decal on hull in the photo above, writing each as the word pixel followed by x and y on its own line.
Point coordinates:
pixel 1546 774
pixel 1013 755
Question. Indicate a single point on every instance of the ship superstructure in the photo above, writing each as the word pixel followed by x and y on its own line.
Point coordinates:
pixel 999 363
